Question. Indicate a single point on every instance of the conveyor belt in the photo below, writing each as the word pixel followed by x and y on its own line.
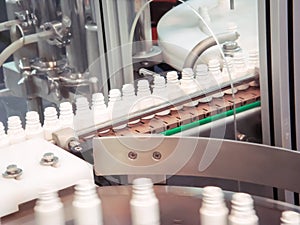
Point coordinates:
pixel 188 114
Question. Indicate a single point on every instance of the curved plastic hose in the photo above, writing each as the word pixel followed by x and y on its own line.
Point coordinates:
pixel 131 36
pixel 7 24
pixel 136 19
pixel 223 56
pixel 16 45
pixel 205 44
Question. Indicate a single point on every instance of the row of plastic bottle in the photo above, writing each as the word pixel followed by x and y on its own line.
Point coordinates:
pixel 144 207
pixel 128 100
pixel 214 211
pixel 125 102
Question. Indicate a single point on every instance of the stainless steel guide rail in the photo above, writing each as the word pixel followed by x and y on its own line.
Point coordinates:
pixel 203 157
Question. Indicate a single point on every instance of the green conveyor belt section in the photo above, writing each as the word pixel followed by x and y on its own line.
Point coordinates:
pixel 211 118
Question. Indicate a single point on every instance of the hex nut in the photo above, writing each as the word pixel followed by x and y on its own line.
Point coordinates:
pixel 12 171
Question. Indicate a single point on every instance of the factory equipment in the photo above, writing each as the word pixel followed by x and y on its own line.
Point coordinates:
pixel 216 55
pixel 88 44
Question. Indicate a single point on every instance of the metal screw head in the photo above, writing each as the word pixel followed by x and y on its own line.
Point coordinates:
pixel 78 148
pixel 156 155
pixel 12 171
pixel 132 155
pixel 49 159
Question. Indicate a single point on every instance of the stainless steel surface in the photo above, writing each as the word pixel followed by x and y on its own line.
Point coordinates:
pixel 35 104
pixel 231 4
pixel 103 80
pixel 47 89
pixel 178 205
pixel 204 157
pixel 113 45
pixel 296 33
pixel 225 128
pixel 45 11
pixel 28 51
pixel 93 54
pixel 280 73
pixel 148 59
pixel 76 50
pixel 126 14
pixel 143 32
pixel 263 53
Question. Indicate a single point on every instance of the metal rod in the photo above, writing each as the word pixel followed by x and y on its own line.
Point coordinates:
pixel 232 4
pixel 76 51
pixel 46 12
pixel 144 32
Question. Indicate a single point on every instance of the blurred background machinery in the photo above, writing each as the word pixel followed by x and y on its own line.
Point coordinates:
pixel 56 51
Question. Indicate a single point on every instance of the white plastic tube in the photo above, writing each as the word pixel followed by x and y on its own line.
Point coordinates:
pixel 7 24
pixel 16 45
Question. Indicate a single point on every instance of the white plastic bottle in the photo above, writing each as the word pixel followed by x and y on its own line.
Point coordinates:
pixel 100 111
pixel 116 107
pixel 253 61
pixel 188 85
pixel 130 100
pixel 160 94
pixel 173 89
pixel 242 210
pixel 87 209
pixel 228 68
pixel 83 117
pixel 49 209
pixel 51 122
pixel 240 64
pixel 213 209
pixel 218 79
pixel 33 127
pixel 15 131
pixel 4 141
pixel 144 205
pixel 214 69
pixel 290 218
pixel 66 115
pixel 145 99
pixel 204 81
pixel 241 69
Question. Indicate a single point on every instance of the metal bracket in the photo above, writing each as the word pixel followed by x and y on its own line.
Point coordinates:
pixel 61 31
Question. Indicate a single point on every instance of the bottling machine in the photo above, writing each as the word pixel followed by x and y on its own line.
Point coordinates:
pixel 120 89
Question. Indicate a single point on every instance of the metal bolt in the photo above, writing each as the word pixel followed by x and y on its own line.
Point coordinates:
pixel 132 155
pixel 12 171
pixel 49 159
pixel 78 148
pixel 241 137
pixel 156 155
